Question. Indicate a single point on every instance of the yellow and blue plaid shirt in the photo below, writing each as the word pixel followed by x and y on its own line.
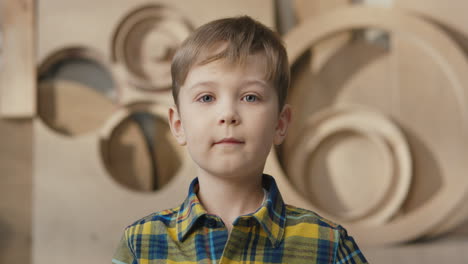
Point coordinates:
pixel 275 233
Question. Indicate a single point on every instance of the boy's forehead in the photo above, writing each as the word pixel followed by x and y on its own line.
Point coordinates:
pixel 222 51
pixel 254 68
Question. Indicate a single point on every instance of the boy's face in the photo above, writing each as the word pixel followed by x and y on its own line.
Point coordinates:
pixel 221 101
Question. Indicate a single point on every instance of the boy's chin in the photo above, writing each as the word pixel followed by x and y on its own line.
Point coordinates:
pixel 232 173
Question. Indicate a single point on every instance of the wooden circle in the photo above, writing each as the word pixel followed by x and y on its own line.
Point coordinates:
pixel 69 105
pixel 347 195
pixel 330 178
pixel 134 158
pixel 434 210
pixel 71 108
pixel 145 42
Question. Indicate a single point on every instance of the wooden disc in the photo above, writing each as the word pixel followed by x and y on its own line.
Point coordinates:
pixel 70 102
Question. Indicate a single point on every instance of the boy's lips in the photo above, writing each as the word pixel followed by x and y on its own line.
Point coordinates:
pixel 229 140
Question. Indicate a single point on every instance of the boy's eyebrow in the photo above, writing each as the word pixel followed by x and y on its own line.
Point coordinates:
pixel 204 83
pixel 262 83
pixel 255 81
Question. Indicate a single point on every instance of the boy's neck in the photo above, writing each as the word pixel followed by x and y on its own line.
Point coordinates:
pixel 229 198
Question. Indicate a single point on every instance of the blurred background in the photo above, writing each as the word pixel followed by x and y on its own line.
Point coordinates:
pixel 378 142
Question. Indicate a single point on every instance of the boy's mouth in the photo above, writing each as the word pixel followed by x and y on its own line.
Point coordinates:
pixel 229 140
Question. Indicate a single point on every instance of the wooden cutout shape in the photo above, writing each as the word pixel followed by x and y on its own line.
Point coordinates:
pixel 415 223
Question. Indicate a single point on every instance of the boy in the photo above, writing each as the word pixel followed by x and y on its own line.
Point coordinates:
pixel 230 79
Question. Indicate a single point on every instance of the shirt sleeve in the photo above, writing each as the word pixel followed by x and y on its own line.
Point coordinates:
pixel 124 254
pixel 347 250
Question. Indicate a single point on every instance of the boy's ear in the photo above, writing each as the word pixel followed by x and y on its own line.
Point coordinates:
pixel 175 123
pixel 283 124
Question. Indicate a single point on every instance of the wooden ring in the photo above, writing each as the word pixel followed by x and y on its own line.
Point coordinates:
pixel 384 135
pixel 161 30
pixel 116 120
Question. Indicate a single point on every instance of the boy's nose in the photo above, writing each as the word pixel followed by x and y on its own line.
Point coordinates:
pixel 229 118
pixel 229 121
pixel 228 112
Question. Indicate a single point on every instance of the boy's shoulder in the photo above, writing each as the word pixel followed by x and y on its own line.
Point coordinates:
pixel 166 217
pixel 295 215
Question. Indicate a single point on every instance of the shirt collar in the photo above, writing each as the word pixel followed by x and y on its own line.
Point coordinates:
pixel 190 211
pixel 271 215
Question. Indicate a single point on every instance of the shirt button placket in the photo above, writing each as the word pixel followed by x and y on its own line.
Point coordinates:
pixel 211 223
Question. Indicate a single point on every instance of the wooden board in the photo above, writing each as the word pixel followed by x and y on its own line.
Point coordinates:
pixel 16 207
pixel 17 58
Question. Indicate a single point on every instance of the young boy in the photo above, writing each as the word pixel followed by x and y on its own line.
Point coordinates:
pixel 230 79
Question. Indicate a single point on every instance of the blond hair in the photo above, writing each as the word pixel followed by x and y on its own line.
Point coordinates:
pixel 244 36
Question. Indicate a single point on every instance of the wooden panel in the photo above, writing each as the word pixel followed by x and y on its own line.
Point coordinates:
pixel 432 73
pixel 17 72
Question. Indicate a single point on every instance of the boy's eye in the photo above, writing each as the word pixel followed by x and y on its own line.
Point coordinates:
pixel 206 98
pixel 250 98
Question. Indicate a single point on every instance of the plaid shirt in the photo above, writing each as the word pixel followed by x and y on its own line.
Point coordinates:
pixel 275 233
